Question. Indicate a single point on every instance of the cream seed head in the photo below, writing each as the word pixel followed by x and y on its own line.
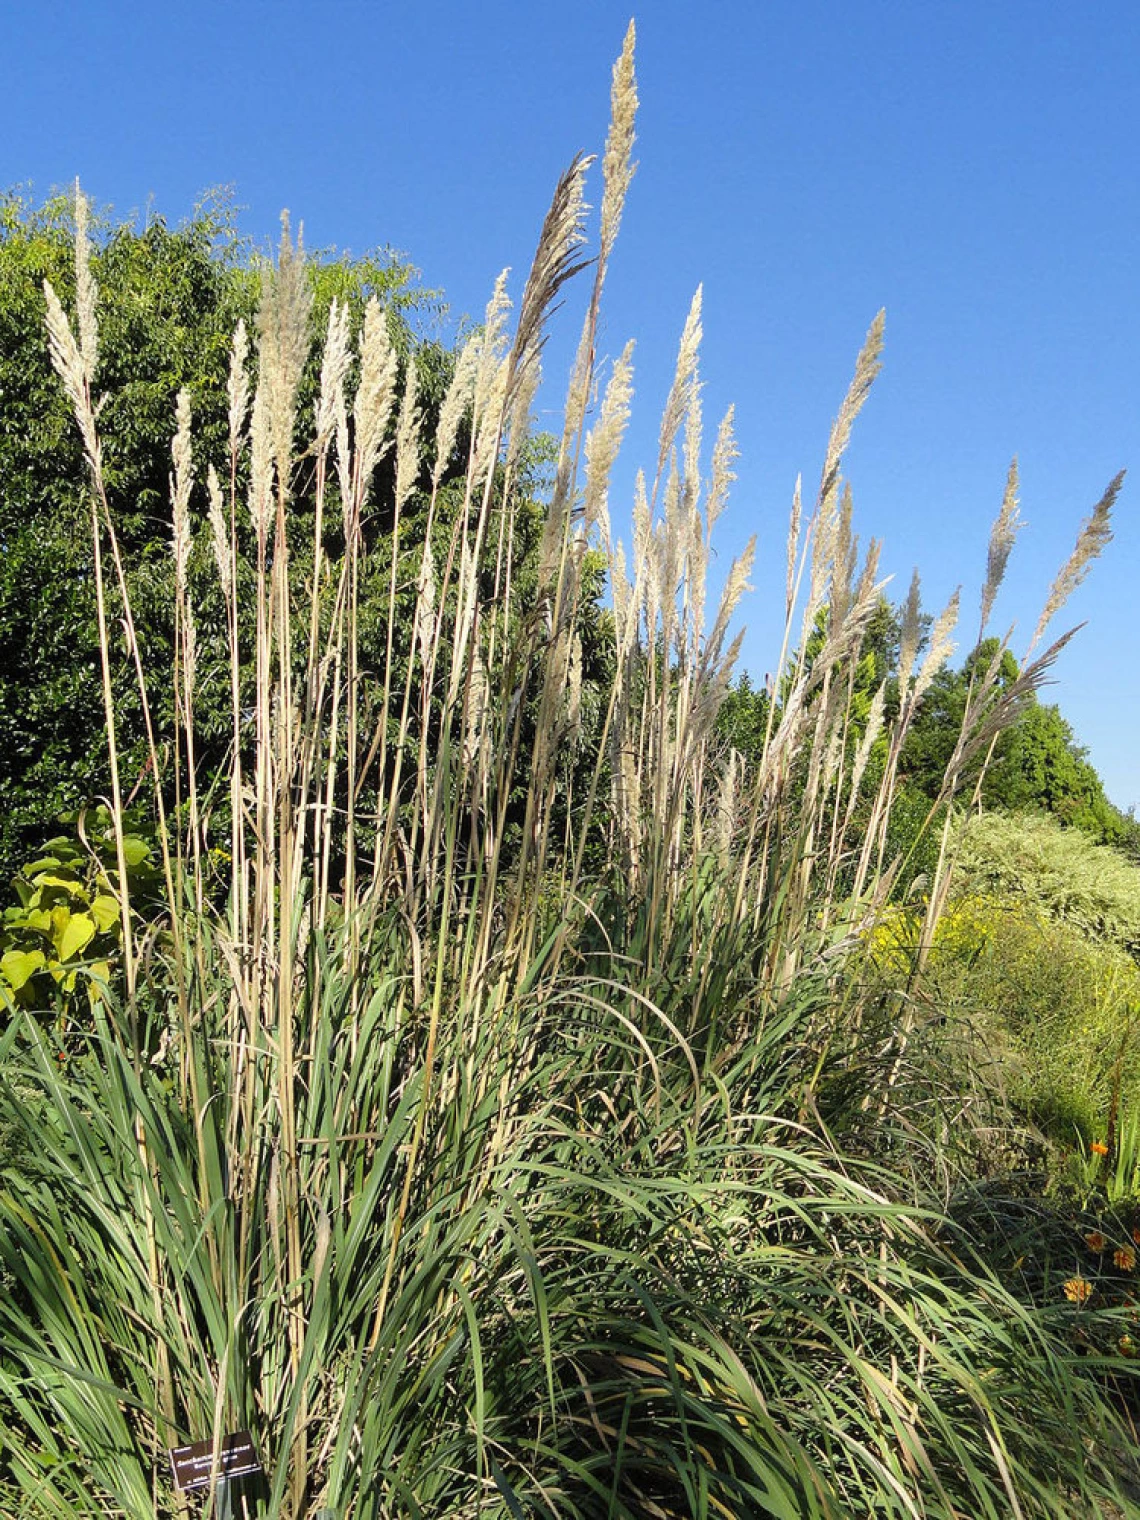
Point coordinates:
pixel 180 486
pixel 1095 534
pixel 618 167
pixel 237 387
pixel 1006 527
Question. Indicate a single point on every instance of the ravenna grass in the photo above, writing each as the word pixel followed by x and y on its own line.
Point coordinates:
pixel 489 1180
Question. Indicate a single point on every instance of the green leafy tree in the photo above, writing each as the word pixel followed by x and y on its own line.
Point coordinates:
pixel 1036 764
pixel 1044 767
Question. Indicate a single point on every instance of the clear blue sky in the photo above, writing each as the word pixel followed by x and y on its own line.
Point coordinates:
pixel 973 167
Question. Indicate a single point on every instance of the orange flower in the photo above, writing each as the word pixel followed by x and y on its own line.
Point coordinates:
pixel 1077 1289
pixel 1095 1241
pixel 1126 1346
pixel 1125 1258
pixel 1136 1235
pixel 1099 1148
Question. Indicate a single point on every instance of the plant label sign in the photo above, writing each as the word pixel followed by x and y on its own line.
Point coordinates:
pixel 193 1465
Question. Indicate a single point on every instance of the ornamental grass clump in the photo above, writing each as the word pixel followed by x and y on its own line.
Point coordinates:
pixel 455 1130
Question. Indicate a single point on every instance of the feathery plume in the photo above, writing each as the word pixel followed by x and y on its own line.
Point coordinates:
pixel 617 166
pixel 833 747
pixel 180 485
pixel 941 647
pixel 522 402
pixel 713 687
pixel 407 437
pixel 69 366
pixel 735 586
pixel 793 546
pixel 334 370
pixel 617 172
pixel 486 440
pixel 376 391
pixel 555 262
pixel 867 743
pixel 86 290
pixel 909 632
pixel 283 331
pixel 343 452
pixel 643 554
pixel 621 592
pixel 455 403
pixel 605 438
pixel 725 454
pixel 684 379
pixel 641 520
pixel 475 711
pixel 826 527
pixel 1095 534
pixel 425 602
pixel 845 558
pixel 574 410
pixel 491 349
pixel 1006 526
pixel 261 466
pixel 868 588
pixel 691 447
pixel 218 532
pixel 237 386
pixel 727 804
pixel 867 367
pixel 574 686
pixel 189 647
pixel 669 548
pixel 75 358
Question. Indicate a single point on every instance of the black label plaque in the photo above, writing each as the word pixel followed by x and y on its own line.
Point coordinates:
pixel 193 1464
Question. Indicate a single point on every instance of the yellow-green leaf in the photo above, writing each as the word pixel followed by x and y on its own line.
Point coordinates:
pixel 105 911
pixel 19 965
pixel 135 850
pixel 67 883
pixel 77 936
pixel 36 868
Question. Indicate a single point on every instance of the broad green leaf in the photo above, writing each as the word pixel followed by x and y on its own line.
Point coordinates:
pixel 78 934
pixel 22 920
pixel 65 883
pixel 135 850
pixel 45 863
pixel 105 911
pixel 19 965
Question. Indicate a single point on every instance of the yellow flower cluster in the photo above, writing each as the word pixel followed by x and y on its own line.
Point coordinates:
pixel 1078 1289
